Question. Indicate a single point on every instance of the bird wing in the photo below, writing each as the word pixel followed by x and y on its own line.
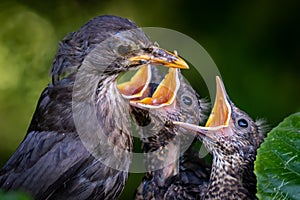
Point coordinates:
pixel 52 162
pixel 42 162
pixel 51 166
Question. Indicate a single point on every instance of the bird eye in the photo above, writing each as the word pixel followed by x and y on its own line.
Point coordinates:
pixel 124 49
pixel 187 100
pixel 242 123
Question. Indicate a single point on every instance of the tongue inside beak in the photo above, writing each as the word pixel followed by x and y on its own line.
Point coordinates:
pixel 137 85
pixel 165 93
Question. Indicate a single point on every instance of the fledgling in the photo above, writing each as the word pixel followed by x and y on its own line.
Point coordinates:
pixel 233 138
pixel 167 153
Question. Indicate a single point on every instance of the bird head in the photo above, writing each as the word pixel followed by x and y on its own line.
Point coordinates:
pixel 163 100
pixel 170 98
pixel 131 50
pixel 108 45
pixel 89 62
pixel 229 131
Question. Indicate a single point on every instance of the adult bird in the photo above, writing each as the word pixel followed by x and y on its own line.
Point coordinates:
pixel 166 159
pixel 79 141
pixel 233 138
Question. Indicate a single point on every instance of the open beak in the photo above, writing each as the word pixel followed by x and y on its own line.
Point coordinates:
pixel 218 121
pixel 137 89
pixel 221 111
pixel 158 56
pixel 165 93
pixel 137 85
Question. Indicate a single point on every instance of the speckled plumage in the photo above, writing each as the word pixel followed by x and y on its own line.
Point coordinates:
pixel 169 167
pixel 232 175
pixel 233 138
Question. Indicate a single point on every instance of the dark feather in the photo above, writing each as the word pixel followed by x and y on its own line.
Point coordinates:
pixel 173 172
pixel 52 162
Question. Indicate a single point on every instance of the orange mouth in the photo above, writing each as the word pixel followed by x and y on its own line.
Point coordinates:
pixel 219 118
pixel 137 89
pixel 137 85
pixel 165 93
pixel 221 111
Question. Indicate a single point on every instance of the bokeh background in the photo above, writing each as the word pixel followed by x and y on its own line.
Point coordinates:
pixel 255 44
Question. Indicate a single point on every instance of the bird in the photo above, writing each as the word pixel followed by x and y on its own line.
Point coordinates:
pixel 233 137
pixel 79 142
pixel 167 153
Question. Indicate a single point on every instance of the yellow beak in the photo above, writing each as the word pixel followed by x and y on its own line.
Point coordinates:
pixel 159 56
pixel 165 93
pixel 219 117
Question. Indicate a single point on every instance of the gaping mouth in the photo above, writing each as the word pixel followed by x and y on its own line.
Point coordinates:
pixel 137 88
pixel 221 111
pixel 219 118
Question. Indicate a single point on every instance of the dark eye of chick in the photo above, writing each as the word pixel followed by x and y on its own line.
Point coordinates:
pixel 243 123
pixel 124 49
pixel 187 100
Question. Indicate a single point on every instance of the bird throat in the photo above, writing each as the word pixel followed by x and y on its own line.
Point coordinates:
pixel 113 114
pixel 226 180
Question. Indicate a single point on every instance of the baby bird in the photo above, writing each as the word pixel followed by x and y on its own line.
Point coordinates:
pixel 167 161
pixel 233 138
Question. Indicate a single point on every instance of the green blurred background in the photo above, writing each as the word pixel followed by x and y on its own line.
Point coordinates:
pixel 255 44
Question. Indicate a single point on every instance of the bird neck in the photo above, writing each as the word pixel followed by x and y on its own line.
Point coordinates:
pixel 162 149
pixel 102 119
pixel 226 181
pixel 113 113
pixel 166 160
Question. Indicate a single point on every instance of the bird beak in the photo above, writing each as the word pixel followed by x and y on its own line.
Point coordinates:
pixel 221 111
pixel 165 93
pixel 158 56
pixel 136 88
pixel 137 85
pixel 218 121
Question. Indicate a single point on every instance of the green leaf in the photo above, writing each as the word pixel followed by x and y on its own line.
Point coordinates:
pixel 14 195
pixel 277 165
